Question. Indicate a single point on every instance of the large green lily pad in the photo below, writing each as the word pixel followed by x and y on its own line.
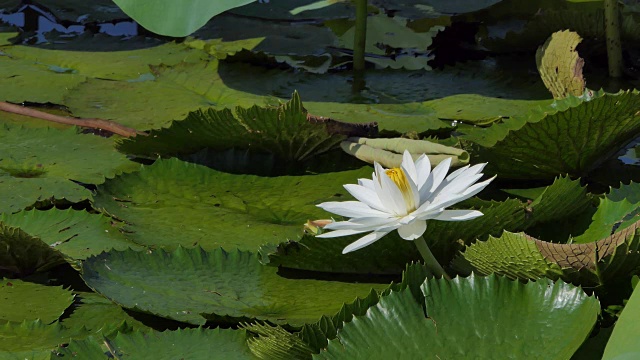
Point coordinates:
pixel 193 286
pixel 283 131
pixel 76 234
pixel 100 316
pixel 596 263
pixel 20 301
pixel 34 340
pixel 38 164
pixel 214 208
pixel 192 344
pixel 22 254
pixel 573 137
pixel 106 65
pixel 622 344
pixel 472 317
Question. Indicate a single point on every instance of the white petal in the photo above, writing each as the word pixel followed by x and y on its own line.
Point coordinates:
pixel 368 183
pixel 413 230
pixel 338 233
pixel 351 209
pixel 458 185
pixel 364 241
pixel 364 224
pixel 434 180
pixel 423 168
pixel 458 215
pixel 455 174
pixel 365 195
pixel 447 201
pixel 388 191
pixel 409 167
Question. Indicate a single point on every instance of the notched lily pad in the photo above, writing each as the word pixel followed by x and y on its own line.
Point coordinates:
pixel 193 344
pixel 284 131
pixel 22 254
pixel 560 65
pixel 38 165
pixel 574 136
pixel 216 209
pixel 522 256
pixel 20 301
pixel 193 286
pixel 472 317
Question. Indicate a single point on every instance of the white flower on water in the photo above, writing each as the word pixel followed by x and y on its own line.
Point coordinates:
pixel 404 199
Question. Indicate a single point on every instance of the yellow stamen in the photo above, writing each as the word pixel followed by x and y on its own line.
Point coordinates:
pixel 400 179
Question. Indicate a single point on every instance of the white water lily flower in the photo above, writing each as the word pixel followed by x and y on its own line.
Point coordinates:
pixel 404 199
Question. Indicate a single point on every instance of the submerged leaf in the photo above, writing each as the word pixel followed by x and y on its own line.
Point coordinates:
pixel 193 286
pixel 560 66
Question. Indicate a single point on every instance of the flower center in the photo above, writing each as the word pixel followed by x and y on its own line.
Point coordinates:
pixel 400 179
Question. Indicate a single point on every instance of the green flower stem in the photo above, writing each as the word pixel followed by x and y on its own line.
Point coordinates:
pixel 429 259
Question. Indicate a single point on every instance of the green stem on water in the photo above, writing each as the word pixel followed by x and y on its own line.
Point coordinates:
pixel 359 43
pixel 612 30
pixel 429 259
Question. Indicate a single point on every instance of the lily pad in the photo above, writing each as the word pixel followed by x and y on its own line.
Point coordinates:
pixel 193 286
pixel 170 18
pixel 573 137
pixel 106 65
pixel 283 131
pixel 38 164
pixel 76 234
pixel 563 199
pixel 193 344
pixel 622 344
pixel 153 104
pixel 472 317
pixel 33 339
pixel 20 301
pixel 215 208
pixel 22 254
pixel 23 80
pixel 100 316
pixel 521 256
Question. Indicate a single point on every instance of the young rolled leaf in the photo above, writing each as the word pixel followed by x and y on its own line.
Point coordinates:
pixel 471 317
pixel 388 152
